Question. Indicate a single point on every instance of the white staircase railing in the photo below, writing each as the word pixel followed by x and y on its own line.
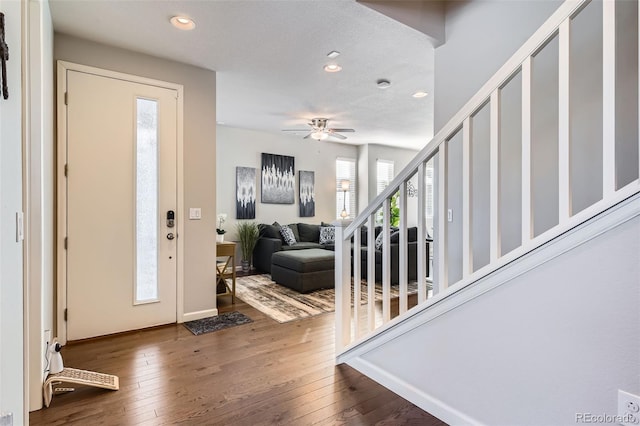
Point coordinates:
pixel 359 321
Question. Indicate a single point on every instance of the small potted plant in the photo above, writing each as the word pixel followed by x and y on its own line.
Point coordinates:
pixel 248 234
pixel 219 230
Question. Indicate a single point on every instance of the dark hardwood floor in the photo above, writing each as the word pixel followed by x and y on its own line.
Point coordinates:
pixel 258 373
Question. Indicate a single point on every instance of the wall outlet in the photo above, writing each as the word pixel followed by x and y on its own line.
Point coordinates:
pixel 47 337
pixel 628 408
pixel 450 215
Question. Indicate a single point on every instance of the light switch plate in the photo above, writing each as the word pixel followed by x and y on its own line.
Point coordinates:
pixel 195 213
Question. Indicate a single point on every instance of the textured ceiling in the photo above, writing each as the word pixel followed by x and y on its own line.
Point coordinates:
pixel 269 57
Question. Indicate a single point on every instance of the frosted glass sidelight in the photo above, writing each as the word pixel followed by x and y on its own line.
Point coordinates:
pixel 146 201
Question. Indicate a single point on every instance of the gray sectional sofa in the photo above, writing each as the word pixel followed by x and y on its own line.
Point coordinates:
pixel 308 237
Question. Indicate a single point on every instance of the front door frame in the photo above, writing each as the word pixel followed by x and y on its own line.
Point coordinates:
pixel 61 225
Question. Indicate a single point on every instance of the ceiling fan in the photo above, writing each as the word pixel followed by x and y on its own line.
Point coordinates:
pixel 319 130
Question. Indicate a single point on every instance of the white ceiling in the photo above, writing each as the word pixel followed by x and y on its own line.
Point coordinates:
pixel 269 57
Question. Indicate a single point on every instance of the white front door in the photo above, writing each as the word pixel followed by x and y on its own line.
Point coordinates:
pixel 120 189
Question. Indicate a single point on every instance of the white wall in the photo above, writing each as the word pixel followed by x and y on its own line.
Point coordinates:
pixel 480 37
pixel 12 368
pixel 558 340
pixel 199 151
pixel 39 222
pixel 243 148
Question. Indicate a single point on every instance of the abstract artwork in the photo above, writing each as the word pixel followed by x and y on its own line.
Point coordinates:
pixel 307 194
pixel 245 193
pixel 278 179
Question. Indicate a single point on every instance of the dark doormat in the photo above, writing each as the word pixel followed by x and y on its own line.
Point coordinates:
pixel 222 321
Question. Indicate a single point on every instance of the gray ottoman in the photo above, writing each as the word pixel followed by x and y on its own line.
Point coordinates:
pixel 304 270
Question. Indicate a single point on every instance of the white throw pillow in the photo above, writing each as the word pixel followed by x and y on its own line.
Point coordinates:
pixel 379 240
pixel 327 234
pixel 288 236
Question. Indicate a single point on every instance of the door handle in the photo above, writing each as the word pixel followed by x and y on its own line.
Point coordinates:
pixel 170 236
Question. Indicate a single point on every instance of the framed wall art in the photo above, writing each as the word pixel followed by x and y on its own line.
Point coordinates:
pixel 278 179
pixel 245 193
pixel 307 194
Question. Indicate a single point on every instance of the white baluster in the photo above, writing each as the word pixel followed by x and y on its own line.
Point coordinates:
pixel 357 277
pixel 608 99
pixel 403 277
pixel 441 240
pixel 342 287
pixel 494 177
pixel 386 261
pixel 422 234
pixel 467 243
pixel 527 223
pixel 371 272
pixel 564 177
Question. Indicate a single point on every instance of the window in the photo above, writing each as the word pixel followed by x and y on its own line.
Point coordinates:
pixel 384 174
pixel 146 286
pixel 345 188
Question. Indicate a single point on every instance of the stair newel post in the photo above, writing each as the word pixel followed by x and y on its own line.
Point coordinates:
pixel 342 286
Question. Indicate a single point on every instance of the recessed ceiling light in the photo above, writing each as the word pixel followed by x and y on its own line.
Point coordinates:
pixel 383 84
pixel 332 68
pixel 420 94
pixel 333 54
pixel 183 23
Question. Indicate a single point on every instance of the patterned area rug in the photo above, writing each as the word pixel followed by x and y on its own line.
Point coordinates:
pixel 226 320
pixel 284 305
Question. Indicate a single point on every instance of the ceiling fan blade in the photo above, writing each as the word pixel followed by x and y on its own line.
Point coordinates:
pixel 308 135
pixel 336 135
pixel 341 130
pixel 295 130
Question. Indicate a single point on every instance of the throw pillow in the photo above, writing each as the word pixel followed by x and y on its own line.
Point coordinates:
pixel 327 234
pixel 287 235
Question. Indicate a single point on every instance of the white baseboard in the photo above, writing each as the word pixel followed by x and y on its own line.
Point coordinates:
pixel 192 316
pixel 430 404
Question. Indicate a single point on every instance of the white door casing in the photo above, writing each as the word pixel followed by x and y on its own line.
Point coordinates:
pixel 97 202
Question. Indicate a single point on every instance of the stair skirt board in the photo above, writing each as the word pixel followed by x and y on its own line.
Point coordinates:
pixel 353 356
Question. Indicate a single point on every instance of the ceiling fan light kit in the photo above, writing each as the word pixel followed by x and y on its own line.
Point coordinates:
pixel 319 135
pixel 319 130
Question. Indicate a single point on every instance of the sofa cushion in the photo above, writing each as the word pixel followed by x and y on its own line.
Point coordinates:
pixel 308 232
pixel 287 235
pixel 305 260
pixel 302 245
pixel 327 234
pixel 269 231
